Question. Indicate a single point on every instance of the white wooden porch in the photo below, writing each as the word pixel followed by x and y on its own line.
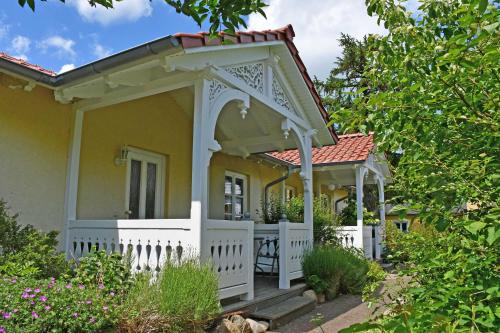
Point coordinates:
pixel 228 245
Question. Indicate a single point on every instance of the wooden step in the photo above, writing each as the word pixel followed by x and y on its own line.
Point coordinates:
pixel 275 296
pixel 282 313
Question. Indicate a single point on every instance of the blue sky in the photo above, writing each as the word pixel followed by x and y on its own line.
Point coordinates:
pixel 60 35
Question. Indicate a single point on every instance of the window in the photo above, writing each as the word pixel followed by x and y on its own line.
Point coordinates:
pixel 145 184
pixel 290 192
pixel 235 187
pixel 402 225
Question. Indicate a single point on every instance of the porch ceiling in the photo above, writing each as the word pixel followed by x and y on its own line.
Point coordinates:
pixel 340 175
pixel 260 131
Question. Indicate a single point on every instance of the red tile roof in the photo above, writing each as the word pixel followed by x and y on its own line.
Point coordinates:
pixel 350 148
pixel 26 64
pixel 285 34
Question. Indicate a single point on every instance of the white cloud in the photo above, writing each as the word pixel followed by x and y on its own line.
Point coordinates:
pixel 63 46
pixel 129 10
pixel 317 25
pixel 20 45
pixel 101 51
pixel 66 68
pixel 4 30
pixel 4 27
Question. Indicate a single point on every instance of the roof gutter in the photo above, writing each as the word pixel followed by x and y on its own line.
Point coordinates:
pixel 97 67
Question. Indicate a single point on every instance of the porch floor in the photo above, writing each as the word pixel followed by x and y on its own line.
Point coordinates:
pixel 266 291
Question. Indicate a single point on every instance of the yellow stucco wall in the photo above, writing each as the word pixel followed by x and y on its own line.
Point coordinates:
pixel 157 124
pixel 34 136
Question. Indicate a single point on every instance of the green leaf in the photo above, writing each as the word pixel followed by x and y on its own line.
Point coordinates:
pixel 483 4
pixel 493 235
pixel 474 227
pixel 491 27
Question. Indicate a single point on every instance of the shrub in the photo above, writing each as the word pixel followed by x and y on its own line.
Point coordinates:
pixel 343 270
pixel 183 298
pixel 26 251
pixel 49 305
pixel 374 278
pixel 271 212
pixel 111 271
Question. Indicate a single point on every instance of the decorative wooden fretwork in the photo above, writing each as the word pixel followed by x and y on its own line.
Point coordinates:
pixel 215 89
pixel 280 97
pixel 251 74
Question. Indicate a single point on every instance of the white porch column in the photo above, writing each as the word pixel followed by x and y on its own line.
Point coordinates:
pixel 200 160
pixel 72 174
pixel 360 174
pixel 381 203
pixel 307 179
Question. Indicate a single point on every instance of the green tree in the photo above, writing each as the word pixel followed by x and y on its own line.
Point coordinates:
pixel 220 13
pixel 346 78
pixel 440 107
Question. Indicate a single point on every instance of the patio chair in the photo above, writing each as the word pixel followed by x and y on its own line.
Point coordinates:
pixel 268 252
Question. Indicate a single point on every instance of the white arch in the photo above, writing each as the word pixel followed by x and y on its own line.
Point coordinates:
pixel 224 98
pixel 288 126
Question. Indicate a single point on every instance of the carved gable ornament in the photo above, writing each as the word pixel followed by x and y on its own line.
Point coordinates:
pixel 252 74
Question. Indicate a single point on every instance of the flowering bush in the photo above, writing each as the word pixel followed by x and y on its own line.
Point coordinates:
pixel 109 270
pixel 50 305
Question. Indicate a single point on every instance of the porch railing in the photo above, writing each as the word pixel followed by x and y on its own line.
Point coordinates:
pixel 294 241
pixel 150 243
pixel 229 246
pixel 367 239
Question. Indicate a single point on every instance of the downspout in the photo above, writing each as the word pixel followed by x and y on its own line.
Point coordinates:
pixel 274 182
pixel 339 200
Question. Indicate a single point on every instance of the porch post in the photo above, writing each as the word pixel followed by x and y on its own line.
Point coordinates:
pixel 199 175
pixel 306 174
pixel 72 174
pixel 381 203
pixel 360 173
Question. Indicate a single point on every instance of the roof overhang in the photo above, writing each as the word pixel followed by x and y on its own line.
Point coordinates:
pixel 278 41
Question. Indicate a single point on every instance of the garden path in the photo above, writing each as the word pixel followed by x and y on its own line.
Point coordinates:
pixel 343 311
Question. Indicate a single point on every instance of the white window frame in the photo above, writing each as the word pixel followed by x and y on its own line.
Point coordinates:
pixel 235 175
pixel 400 227
pixel 159 160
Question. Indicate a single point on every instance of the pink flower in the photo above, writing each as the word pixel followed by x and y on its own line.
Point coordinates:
pixel 34 315
pixel 7 315
pixel 92 320
pixel 13 280
pixel 81 286
pixel 43 298
pixel 32 303
pixel 15 310
pixel 69 286
pixel 25 295
pixel 75 315
pixel 37 290
pixel 32 295
pixel 47 307
pixel 101 286
pixel 88 301
pixel 112 294
pixel 105 308
pixel 27 290
pixel 2 329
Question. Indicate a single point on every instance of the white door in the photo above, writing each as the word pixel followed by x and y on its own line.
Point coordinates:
pixel 145 184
